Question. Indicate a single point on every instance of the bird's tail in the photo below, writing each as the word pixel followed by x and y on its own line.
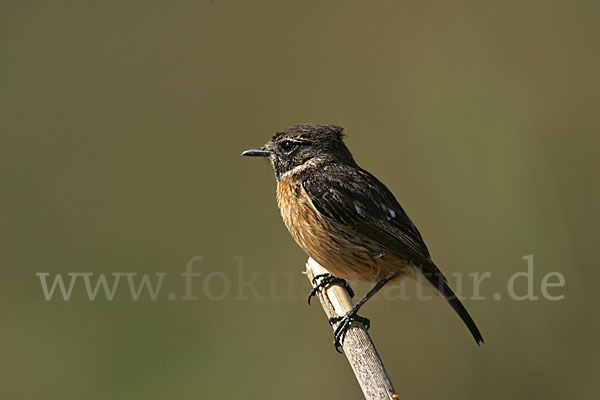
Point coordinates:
pixel 439 281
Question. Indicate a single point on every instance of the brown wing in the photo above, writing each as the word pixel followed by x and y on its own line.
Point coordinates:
pixel 355 198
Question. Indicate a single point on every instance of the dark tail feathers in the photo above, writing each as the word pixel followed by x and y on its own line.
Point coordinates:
pixel 439 282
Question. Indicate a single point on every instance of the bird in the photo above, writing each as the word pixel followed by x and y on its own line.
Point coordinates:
pixel 347 220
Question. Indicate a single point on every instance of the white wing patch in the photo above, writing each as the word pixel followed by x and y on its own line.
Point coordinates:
pixel 358 209
pixel 391 213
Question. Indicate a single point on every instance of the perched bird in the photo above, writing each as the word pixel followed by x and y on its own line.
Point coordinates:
pixel 346 219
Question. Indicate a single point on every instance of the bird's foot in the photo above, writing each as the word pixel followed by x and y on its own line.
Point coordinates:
pixel 345 322
pixel 326 280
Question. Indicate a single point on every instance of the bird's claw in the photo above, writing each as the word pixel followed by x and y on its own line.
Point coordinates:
pixel 326 280
pixel 344 323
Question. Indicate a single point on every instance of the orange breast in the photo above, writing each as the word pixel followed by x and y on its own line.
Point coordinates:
pixel 299 217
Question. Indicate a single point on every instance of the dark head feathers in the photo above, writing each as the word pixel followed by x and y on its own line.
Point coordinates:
pixel 314 132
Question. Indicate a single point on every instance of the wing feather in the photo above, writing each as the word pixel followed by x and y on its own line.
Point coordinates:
pixel 366 205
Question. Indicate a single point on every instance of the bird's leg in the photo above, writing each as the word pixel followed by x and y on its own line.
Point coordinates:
pixel 326 280
pixel 344 321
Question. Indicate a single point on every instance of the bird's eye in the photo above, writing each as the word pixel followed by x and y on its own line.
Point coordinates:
pixel 288 145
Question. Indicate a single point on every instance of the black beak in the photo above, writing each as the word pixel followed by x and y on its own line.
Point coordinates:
pixel 257 152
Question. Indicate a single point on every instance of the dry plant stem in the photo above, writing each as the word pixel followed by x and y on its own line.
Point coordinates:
pixel 358 346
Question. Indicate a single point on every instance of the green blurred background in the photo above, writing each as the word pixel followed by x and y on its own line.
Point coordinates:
pixel 120 133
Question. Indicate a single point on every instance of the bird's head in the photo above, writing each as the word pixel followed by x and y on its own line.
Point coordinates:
pixel 300 146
